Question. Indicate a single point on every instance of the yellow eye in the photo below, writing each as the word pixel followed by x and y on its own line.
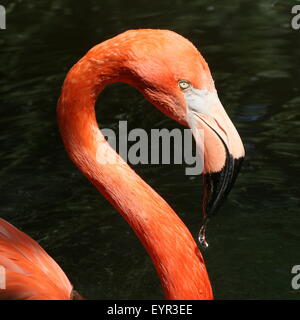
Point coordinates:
pixel 183 84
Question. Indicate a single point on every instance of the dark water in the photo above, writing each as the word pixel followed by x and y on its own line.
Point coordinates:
pixel 254 56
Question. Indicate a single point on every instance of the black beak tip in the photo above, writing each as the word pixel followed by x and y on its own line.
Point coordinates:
pixel 217 185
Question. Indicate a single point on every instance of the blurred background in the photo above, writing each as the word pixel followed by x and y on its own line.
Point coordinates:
pixel 253 53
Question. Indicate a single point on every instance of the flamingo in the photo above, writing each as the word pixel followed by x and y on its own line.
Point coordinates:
pixel 172 74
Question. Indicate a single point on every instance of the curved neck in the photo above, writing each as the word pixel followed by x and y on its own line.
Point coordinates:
pixel 173 250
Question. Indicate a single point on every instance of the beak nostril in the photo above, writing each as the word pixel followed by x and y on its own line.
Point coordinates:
pixel 221 128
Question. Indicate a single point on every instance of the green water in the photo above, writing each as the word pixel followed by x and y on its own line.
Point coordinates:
pixel 254 56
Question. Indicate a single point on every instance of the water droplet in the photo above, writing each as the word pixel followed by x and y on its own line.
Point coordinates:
pixel 202 235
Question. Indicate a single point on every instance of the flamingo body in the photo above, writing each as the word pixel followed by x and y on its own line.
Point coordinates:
pixel 31 274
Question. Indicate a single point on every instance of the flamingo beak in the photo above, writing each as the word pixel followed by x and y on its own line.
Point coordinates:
pixel 218 142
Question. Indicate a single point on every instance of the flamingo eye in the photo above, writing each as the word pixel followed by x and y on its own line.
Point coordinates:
pixel 183 84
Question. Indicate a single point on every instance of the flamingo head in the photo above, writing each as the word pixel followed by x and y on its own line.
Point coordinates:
pixel 172 74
